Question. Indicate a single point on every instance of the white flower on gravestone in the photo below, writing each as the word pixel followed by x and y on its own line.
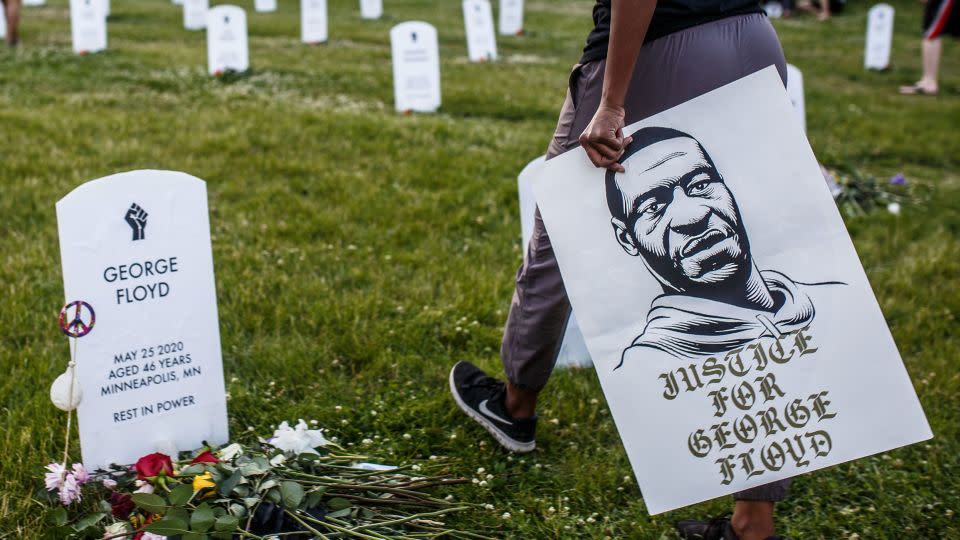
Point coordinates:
pixel 573 349
pixel 195 14
pixel 62 396
pixel 227 47
pixel 795 91
pixel 313 21
pixel 478 23
pixel 265 6
pixel 511 17
pixel 88 26
pixel 371 9
pixel 416 67
pixel 879 39
pixel 298 439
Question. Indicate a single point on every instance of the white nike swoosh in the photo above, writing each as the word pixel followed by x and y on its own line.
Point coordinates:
pixel 487 412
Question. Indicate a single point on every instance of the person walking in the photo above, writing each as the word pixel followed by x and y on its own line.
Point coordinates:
pixel 642 57
pixel 940 18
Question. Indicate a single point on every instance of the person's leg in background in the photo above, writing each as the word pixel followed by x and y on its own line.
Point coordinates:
pixel 12 12
pixel 940 17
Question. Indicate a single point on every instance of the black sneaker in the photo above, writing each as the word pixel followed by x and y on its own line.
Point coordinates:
pixel 482 398
pixel 718 528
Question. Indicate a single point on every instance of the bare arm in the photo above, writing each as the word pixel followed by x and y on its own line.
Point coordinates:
pixel 603 138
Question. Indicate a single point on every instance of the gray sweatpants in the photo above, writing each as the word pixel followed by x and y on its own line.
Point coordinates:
pixel 668 72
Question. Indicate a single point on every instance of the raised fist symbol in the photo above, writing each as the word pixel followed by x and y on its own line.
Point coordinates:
pixel 137 219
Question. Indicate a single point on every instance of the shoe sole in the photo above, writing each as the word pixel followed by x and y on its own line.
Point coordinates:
pixel 505 440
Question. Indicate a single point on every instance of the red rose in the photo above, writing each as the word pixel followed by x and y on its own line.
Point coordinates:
pixel 152 465
pixel 121 505
pixel 205 457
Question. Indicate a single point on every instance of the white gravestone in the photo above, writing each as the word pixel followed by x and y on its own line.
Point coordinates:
pixel 879 37
pixel 106 8
pixel 478 22
pixel 34 2
pixel 511 17
pixel 88 26
pixel 731 324
pixel 313 21
pixel 371 9
pixel 177 2
pixel 195 14
pixel 3 22
pixel 795 92
pixel 573 350
pixel 227 48
pixel 136 247
pixel 265 6
pixel 416 67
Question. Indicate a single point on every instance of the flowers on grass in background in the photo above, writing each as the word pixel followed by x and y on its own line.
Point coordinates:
pixel 898 179
pixel 297 482
pixel 858 194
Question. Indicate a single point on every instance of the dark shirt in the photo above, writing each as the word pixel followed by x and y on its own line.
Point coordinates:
pixel 669 16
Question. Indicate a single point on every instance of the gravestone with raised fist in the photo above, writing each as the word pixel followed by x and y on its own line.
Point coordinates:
pixel 416 67
pixel 478 23
pixel 88 26
pixel 227 48
pixel 879 37
pixel 135 249
pixel 313 21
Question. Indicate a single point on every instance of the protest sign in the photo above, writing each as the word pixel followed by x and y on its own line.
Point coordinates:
pixel 879 37
pixel 227 47
pixel 313 21
pixel 416 67
pixel 88 26
pixel 478 22
pixel 573 351
pixel 195 14
pixel 732 326
pixel 371 9
pixel 511 17
pixel 136 247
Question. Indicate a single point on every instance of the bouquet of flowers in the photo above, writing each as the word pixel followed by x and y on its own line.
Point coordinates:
pixel 295 485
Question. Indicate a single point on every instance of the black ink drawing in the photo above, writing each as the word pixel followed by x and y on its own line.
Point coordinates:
pixel 673 209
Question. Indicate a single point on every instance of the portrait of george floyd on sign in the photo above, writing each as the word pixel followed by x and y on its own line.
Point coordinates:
pixel 135 247
pixel 733 329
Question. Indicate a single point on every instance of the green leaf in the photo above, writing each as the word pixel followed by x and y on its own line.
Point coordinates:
pixel 340 513
pixel 314 497
pixel 338 503
pixel 180 513
pixel 193 536
pixel 180 494
pixel 292 494
pixel 273 495
pixel 192 470
pixel 150 502
pixel 88 521
pixel 58 516
pixel 168 526
pixel 267 485
pixel 202 518
pixel 226 523
pixel 227 485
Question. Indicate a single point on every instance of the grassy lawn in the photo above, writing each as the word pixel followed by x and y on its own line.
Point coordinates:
pixel 360 253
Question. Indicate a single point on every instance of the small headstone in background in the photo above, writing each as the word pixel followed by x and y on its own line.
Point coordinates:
pixel 195 14
pixel 265 6
pixel 573 348
pixel 774 9
pixel 795 91
pixel 371 9
pixel 481 39
pixel 511 17
pixel 313 21
pixel 34 2
pixel 227 48
pixel 106 8
pixel 136 247
pixel 879 37
pixel 177 2
pixel 3 22
pixel 88 26
pixel 416 67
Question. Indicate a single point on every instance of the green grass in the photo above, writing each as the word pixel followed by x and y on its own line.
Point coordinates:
pixel 360 253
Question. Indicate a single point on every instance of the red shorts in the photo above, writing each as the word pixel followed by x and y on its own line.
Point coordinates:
pixel 941 17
